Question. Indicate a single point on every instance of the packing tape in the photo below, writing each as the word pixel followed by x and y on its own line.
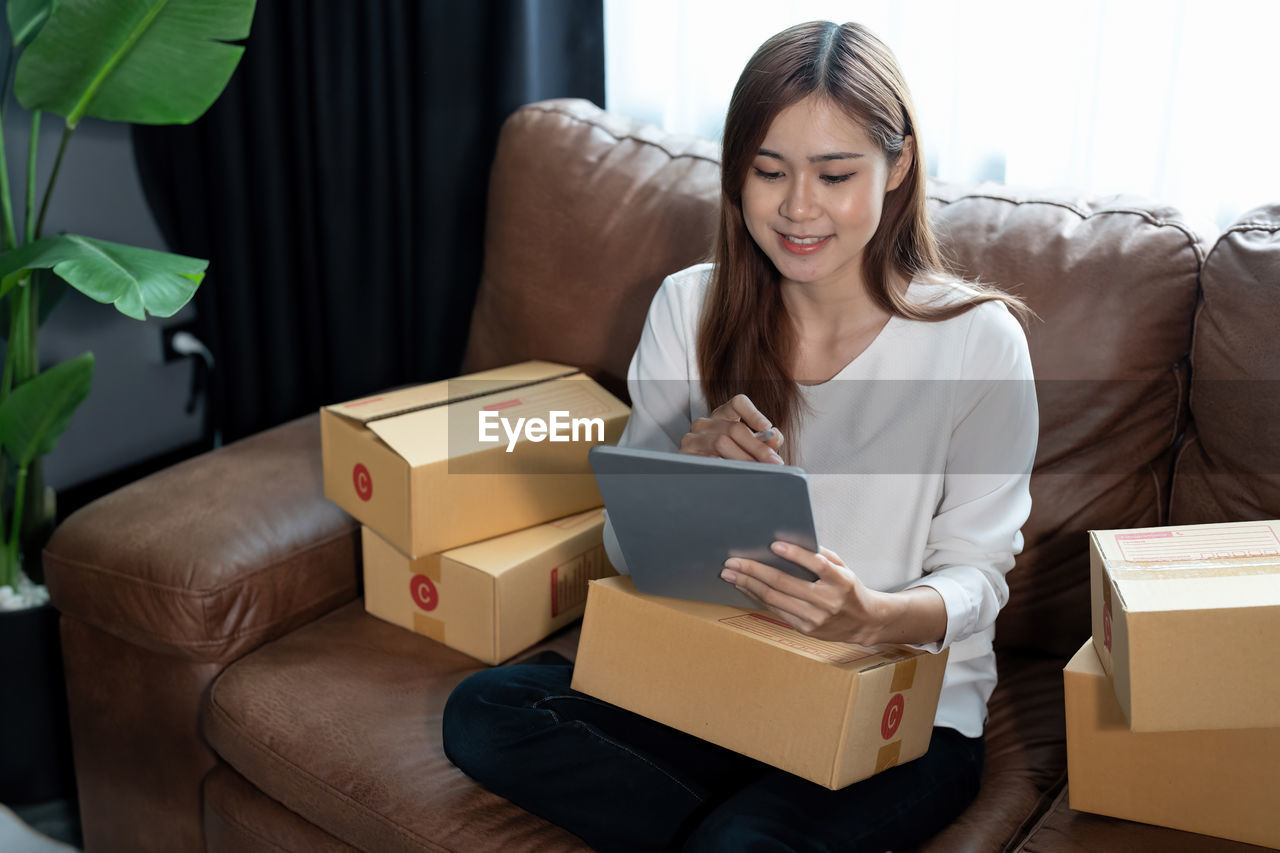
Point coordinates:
pixel 428 565
pixel 428 627
pixel 780 634
pixel 1232 568
pixel 564 396
pixel 904 674
pixel 888 755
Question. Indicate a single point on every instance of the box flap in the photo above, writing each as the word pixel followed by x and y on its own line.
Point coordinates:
pixel 431 394
pixel 439 432
pixel 775 632
pixel 1086 662
pixel 1194 567
pixel 501 554
pixel 419 435
pixel 849 656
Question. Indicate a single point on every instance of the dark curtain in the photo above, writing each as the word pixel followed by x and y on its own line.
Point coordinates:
pixel 338 188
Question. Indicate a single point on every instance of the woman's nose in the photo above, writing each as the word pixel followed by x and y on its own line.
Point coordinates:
pixel 798 203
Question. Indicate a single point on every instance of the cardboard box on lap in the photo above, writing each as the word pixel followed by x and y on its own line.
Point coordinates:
pixel 1186 622
pixel 491 599
pixel 444 464
pixel 1223 782
pixel 832 713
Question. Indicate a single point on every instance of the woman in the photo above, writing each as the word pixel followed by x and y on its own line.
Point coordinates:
pixel 824 334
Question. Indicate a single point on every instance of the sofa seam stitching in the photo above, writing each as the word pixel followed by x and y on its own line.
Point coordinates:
pixel 1147 215
pixel 203 644
pixel 1155 483
pixel 1252 225
pixel 207 591
pixel 1021 835
pixel 1177 465
pixel 626 137
pixel 1241 227
pixel 291 767
pixel 247 829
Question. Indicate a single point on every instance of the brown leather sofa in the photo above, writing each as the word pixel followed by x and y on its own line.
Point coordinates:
pixel 229 693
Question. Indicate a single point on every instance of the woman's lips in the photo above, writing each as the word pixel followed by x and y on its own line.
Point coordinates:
pixel 802 248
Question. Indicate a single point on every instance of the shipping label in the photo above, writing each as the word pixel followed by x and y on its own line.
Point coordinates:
pixel 1190 552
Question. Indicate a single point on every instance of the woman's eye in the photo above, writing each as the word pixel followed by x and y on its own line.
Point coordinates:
pixel 768 176
pixel 837 179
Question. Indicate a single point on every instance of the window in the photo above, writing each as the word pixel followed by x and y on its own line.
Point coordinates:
pixel 1174 100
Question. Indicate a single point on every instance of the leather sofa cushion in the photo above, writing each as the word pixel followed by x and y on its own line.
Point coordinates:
pixel 588 212
pixel 1229 465
pixel 213 556
pixel 1062 829
pixel 238 818
pixel 339 723
pixel 1116 280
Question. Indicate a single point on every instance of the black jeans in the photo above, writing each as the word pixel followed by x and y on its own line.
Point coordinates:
pixel 623 782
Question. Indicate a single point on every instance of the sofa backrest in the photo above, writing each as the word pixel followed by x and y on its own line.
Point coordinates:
pixel 588 211
pixel 1228 468
pixel 1114 282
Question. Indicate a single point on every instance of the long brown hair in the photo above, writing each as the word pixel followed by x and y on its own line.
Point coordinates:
pixel 745 338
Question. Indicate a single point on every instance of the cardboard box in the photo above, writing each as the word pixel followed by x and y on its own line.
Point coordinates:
pixel 1223 782
pixel 832 713
pixel 411 463
pixel 495 598
pixel 1186 621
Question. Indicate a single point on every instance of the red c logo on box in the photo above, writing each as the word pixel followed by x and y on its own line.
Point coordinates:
pixel 423 592
pixel 892 716
pixel 364 483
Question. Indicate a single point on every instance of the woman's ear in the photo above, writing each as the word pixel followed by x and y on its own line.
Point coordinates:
pixel 900 169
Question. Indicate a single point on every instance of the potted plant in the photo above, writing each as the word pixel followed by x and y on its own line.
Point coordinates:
pixel 138 61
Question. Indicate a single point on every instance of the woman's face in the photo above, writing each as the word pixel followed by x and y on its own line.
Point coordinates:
pixel 813 197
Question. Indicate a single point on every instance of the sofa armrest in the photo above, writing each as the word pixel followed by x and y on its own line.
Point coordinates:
pixel 214 556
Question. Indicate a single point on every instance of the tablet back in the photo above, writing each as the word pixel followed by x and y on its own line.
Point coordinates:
pixel 679 517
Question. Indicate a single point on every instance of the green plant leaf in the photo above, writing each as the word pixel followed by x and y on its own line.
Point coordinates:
pixel 137 281
pixel 37 412
pixel 50 288
pixel 140 61
pixel 26 17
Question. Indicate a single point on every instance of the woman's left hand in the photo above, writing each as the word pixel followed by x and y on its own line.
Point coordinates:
pixel 837 606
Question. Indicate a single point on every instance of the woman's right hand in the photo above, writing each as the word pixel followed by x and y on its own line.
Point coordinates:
pixel 730 433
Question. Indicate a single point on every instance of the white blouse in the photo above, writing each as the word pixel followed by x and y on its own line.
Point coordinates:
pixel 918 452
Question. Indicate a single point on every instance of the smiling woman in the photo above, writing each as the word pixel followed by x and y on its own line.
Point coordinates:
pixel 824 269
pixel 800 105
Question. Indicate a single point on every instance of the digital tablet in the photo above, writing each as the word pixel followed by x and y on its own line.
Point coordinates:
pixel 679 517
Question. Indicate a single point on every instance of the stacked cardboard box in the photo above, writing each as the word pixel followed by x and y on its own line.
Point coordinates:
pixel 491 599
pixel 1173 706
pixel 832 713
pixel 481 519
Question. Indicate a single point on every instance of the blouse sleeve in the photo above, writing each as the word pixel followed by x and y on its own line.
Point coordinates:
pixel 658 382
pixel 986 497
